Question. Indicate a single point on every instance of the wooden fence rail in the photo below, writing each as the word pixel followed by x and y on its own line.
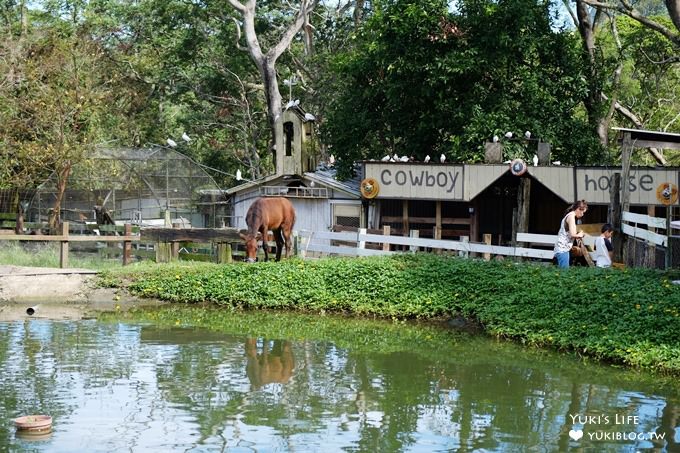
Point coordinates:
pixel 320 242
pixel 65 238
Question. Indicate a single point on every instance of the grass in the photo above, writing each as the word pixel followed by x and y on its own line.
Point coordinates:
pixel 39 254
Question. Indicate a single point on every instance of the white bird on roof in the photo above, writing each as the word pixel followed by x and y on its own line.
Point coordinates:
pixel 395 157
pixel 527 135
pixel 386 158
pixel 557 162
pixel 507 161
pixel 171 143
pixel 442 158
pixel 403 158
pixel 331 159
pixel 508 134
pixel 535 159
pixel 309 117
pixel 289 104
pixel 185 137
pixel 427 158
pixel 238 175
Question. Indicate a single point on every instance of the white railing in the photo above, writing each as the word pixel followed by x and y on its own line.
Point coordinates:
pixel 320 242
pixel 645 234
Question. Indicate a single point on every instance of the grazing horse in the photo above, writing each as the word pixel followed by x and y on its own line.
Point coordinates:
pixel 276 214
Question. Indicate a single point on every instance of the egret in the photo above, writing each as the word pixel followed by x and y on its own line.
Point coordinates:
pixel 535 160
pixel 395 157
pixel 386 158
pixel 309 117
pixel 427 158
pixel 171 143
pixel 289 104
pixel 495 138
pixel 527 135
pixel 185 137
pixel 442 158
pixel 557 162
pixel 331 159
pixel 508 135
pixel 403 158
pixel 238 175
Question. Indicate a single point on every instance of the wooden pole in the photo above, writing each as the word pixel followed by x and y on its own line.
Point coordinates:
pixel 616 219
pixel 626 153
pixel 487 241
pixel 650 258
pixel 438 220
pixel 405 227
pixel 523 202
pixel 414 234
pixel 386 232
pixel 224 253
pixel 127 245
pixel 63 248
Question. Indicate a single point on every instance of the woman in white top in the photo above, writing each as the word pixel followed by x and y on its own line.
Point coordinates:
pixel 567 233
pixel 603 247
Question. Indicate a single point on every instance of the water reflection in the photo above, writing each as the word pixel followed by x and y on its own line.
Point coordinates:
pixel 139 388
pixel 273 365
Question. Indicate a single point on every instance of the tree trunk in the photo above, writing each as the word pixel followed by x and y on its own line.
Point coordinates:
pixel 62 179
pixel 266 62
pixel 673 7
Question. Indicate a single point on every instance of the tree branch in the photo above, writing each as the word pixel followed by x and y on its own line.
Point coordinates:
pixel 638 124
pixel 627 9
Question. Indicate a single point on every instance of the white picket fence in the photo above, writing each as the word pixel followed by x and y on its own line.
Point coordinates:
pixel 320 242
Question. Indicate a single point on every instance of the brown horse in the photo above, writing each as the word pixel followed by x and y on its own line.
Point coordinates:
pixel 276 214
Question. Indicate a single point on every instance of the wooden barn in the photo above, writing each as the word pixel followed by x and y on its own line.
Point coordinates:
pixel 448 201
pixel 319 199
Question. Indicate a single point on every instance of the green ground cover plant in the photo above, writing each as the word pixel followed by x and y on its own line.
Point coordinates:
pixel 628 316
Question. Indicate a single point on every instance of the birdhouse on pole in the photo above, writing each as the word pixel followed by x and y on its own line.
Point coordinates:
pixel 296 149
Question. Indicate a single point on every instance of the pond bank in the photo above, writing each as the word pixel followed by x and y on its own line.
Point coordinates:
pixel 60 293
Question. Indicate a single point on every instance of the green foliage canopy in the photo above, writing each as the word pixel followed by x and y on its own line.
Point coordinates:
pixel 423 80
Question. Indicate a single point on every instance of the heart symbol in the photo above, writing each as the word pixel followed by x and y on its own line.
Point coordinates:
pixel 576 435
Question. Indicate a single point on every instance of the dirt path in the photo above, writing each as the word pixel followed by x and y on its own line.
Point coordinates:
pixel 58 293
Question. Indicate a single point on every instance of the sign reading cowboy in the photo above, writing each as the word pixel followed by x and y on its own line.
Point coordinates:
pixel 417 181
pixel 464 182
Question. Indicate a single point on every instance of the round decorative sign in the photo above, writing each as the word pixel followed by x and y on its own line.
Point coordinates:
pixel 667 193
pixel 369 188
pixel 518 167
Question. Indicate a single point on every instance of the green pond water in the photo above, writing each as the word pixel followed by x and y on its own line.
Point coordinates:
pixel 258 382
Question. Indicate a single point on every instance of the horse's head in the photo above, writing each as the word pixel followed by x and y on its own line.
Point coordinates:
pixel 251 246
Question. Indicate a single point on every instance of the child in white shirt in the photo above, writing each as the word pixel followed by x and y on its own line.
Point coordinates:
pixel 603 247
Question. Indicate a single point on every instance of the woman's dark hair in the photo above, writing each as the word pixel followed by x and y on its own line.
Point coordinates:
pixel 576 205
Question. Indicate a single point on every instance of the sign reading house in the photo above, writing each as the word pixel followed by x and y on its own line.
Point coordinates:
pixel 422 181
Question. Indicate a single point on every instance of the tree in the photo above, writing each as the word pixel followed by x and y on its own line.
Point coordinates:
pixel 422 80
pixel 607 59
pixel 53 102
pixel 266 60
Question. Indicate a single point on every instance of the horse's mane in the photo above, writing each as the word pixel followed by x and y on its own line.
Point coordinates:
pixel 254 218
